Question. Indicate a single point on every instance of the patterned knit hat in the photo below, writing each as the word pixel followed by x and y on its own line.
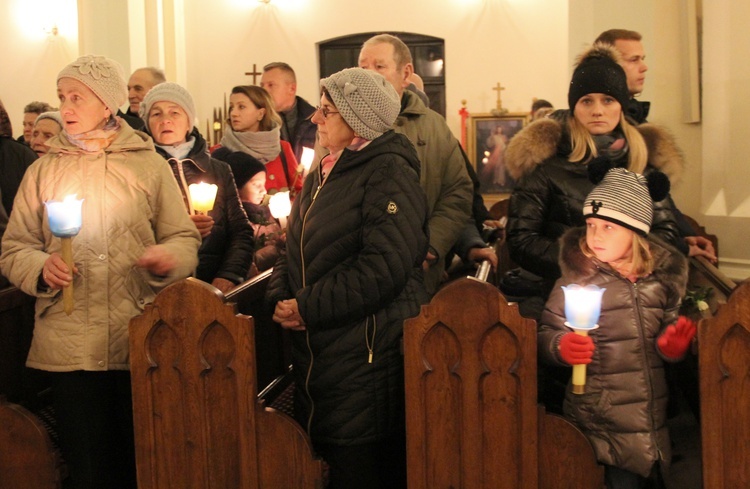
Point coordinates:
pixel 598 71
pixel 366 100
pixel 626 198
pixel 244 167
pixel 53 115
pixel 105 77
pixel 168 92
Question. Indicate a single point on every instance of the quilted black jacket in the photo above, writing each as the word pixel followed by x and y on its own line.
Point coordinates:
pixel 355 244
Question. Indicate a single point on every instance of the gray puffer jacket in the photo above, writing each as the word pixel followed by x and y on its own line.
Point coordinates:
pixel 623 411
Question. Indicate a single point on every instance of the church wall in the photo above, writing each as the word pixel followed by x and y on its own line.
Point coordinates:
pixel 528 46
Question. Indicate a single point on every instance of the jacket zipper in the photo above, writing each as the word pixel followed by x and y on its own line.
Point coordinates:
pixel 370 341
pixel 639 317
pixel 307 333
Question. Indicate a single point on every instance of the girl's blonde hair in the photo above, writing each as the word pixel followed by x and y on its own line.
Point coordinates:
pixel 262 100
pixel 584 148
pixel 642 261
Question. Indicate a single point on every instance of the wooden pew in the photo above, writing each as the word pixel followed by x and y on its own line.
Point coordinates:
pixel 28 460
pixel 197 421
pixel 724 365
pixel 471 400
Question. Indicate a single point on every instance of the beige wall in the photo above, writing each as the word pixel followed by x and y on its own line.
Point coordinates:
pixel 528 46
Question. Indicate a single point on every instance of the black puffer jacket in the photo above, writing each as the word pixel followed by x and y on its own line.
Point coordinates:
pixel 228 251
pixel 623 411
pixel 355 244
pixel 548 198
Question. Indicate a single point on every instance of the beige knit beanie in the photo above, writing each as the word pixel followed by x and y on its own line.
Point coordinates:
pixel 168 92
pixel 366 100
pixel 105 77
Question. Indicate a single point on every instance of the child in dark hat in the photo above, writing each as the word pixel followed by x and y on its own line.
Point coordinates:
pixel 250 177
pixel 624 408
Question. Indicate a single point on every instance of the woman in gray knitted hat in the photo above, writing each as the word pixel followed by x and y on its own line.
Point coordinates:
pixel 135 238
pixel 356 238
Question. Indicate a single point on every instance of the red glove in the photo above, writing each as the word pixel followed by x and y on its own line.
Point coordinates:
pixel 576 349
pixel 675 340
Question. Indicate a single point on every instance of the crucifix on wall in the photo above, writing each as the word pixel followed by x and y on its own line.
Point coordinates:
pixel 499 109
pixel 255 74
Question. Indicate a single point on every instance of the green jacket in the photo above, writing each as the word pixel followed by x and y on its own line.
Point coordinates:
pixel 443 177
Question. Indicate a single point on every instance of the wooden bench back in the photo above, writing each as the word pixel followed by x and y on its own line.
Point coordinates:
pixel 198 423
pixel 471 400
pixel 724 366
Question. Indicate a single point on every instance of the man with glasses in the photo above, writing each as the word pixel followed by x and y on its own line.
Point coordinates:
pixel 443 172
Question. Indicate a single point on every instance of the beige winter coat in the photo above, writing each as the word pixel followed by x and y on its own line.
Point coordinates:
pixel 131 201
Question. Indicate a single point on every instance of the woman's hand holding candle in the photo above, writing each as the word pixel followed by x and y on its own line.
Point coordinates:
pixel 204 223
pixel 56 273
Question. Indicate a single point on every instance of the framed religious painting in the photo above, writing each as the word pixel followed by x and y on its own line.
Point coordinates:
pixel 487 136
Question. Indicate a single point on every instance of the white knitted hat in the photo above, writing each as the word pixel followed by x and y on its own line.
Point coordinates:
pixel 366 100
pixel 105 77
pixel 53 115
pixel 168 92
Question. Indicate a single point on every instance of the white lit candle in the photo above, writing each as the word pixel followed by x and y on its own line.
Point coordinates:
pixel 307 158
pixel 582 308
pixel 202 195
pixel 280 207
pixel 65 219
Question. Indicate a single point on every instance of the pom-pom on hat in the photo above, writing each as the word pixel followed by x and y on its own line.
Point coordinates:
pixel 597 71
pixel 244 167
pixel 105 77
pixel 366 100
pixel 168 92
pixel 626 198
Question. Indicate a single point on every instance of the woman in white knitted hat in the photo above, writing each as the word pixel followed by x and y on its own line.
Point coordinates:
pixel 255 129
pixel 135 238
pixel 47 125
pixel 356 239
pixel 227 249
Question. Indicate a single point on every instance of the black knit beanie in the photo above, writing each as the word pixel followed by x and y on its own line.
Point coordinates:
pixel 597 71
pixel 244 167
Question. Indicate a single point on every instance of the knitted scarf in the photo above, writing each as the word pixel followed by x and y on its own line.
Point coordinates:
pixel 179 151
pixel 612 145
pixel 96 140
pixel 264 146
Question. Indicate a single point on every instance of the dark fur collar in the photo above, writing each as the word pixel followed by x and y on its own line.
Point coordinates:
pixel 541 140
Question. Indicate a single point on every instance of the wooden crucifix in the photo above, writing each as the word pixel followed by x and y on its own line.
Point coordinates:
pixel 499 88
pixel 255 74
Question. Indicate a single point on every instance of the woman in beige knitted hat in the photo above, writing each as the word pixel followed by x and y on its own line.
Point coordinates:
pixel 134 239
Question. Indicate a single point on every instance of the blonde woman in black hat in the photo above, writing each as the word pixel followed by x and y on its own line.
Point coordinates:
pixel 135 239
pixel 548 161
pixel 624 408
pixel 356 239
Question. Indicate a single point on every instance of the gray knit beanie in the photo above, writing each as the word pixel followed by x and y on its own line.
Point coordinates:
pixel 168 92
pixel 105 77
pixel 622 197
pixel 366 100
pixel 54 115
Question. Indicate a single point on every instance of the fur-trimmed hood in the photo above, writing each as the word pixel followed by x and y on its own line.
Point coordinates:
pixel 670 266
pixel 545 138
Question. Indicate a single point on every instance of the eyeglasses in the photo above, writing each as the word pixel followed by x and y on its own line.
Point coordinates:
pixel 325 111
